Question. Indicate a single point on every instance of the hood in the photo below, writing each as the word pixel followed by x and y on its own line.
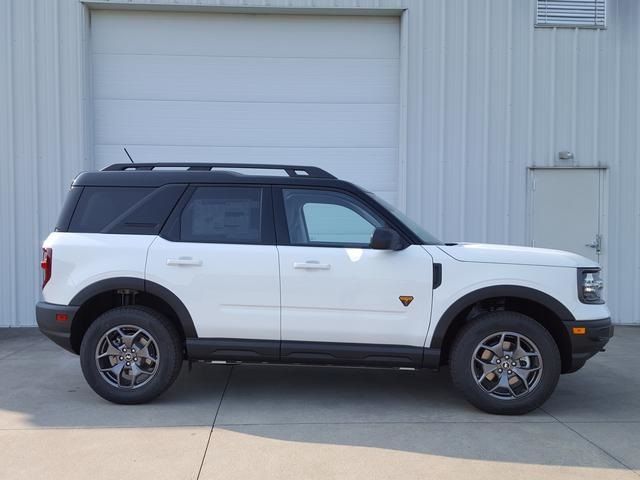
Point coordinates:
pixel 510 254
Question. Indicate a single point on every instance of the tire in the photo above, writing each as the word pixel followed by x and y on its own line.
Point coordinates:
pixel 496 387
pixel 152 368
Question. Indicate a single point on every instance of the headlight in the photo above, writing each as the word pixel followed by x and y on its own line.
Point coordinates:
pixel 590 285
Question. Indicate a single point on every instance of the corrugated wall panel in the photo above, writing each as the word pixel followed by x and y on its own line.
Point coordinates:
pixel 512 98
pixel 520 136
pixel 42 139
pixel 487 96
pixel 25 134
pixel 8 297
pixel 623 242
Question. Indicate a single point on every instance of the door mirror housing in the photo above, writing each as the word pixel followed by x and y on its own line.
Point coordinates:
pixel 384 238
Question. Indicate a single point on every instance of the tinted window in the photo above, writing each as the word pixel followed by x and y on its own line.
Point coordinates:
pixel 100 206
pixel 223 215
pixel 149 214
pixel 70 202
pixel 316 217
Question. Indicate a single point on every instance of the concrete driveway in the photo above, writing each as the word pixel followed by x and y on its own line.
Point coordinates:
pixel 263 422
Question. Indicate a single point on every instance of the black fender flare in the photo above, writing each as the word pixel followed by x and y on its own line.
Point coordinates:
pixel 514 291
pixel 142 285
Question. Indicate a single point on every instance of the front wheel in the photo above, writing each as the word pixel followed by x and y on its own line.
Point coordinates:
pixel 505 363
pixel 131 355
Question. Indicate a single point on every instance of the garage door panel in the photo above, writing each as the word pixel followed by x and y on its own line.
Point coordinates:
pixel 234 79
pixel 203 87
pixel 150 33
pixel 245 124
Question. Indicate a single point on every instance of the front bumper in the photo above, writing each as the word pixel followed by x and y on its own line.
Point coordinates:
pixel 51 321
pixel 584 346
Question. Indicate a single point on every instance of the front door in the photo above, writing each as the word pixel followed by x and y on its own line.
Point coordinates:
pixel 566 210
pixel 337 291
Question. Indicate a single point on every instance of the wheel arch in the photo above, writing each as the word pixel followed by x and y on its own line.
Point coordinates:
pixel 538 305
pixel 103 295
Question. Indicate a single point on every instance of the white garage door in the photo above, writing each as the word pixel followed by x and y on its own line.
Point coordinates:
pixel 302 89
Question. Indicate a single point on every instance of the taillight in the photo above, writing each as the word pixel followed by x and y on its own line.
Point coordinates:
pixel 45 264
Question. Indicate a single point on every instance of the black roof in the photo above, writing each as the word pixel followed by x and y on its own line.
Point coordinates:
pixel 158 174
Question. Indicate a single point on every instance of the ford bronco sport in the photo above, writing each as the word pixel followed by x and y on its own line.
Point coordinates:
pixel 152 264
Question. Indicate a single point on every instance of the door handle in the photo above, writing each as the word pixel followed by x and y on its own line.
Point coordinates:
pixel 597 244
pixel 184 261
pixel 311 265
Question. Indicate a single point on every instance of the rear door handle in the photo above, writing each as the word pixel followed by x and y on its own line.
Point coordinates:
pixel 184 261
pixel 311 265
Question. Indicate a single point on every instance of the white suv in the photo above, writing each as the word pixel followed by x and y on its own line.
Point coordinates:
pixel 151 264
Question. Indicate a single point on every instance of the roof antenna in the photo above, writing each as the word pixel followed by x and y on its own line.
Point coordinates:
pixel 125 151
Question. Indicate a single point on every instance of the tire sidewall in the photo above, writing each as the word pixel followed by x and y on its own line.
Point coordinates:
pixel 158 327
pixel 495 322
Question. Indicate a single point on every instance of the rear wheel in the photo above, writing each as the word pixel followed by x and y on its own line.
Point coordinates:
pixel 505 363
pixel 131 355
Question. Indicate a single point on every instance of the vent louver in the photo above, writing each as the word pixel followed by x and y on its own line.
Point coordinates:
pixel 571 13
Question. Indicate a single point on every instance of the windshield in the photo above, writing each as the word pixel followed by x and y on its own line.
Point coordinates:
pixel 421 233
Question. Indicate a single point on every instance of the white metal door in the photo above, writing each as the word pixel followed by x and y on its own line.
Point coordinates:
pixel 218 257
pixel 566 210
pixel 231 291
pixel 352 295
pixel 335 288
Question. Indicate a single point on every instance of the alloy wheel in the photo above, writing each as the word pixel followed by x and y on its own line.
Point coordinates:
pixel 127 356
pixel 507 365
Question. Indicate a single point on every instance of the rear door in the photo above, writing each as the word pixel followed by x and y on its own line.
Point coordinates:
pixel 218 256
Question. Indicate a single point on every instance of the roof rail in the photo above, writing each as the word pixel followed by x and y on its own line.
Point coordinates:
pixel 291 170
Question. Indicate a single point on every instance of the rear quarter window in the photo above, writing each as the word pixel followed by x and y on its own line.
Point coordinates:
pixel 69 206
pixel 124 210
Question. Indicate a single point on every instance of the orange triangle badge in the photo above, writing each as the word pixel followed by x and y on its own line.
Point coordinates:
pixel 406 299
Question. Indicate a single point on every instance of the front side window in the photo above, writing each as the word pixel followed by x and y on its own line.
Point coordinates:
pixel 223 215
pixel 328 218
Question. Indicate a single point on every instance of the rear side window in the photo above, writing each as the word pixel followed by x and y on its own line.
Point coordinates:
pixel 223 215
pixel 124 210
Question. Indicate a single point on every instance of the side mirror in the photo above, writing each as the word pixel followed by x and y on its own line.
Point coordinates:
pixel 384 238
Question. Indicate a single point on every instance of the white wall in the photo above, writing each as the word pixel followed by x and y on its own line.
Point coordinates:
pixel 487 95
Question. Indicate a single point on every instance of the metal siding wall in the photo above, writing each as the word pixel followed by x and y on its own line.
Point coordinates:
pixel 7 208
pixel 624 207
pixel 500 96
pixel 488 96
pixel 42 138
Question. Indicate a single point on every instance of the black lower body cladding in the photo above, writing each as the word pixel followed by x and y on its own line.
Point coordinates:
pixel 55 322
pixel 585 345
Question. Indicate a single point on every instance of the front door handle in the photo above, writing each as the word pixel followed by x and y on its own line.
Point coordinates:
pixel 184 261
pixel 311 265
